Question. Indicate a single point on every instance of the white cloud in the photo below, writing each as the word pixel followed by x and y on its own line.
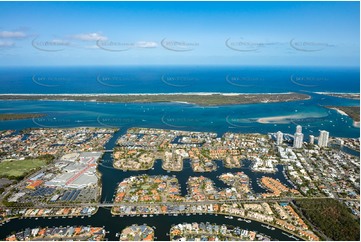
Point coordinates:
pixel 7 44
pixel 12 34
pixel 147 44
pixel 90 37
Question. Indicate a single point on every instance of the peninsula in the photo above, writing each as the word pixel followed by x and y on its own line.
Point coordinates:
pixel 352 111
pixel 355 96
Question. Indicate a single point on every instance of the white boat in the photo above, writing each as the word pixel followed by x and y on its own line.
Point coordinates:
pixel 267 226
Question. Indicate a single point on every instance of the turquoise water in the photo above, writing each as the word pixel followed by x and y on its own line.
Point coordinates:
pixel 183 79
pixel 234 118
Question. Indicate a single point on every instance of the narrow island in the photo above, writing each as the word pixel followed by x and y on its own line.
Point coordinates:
pixel 204 99
pixel 17 116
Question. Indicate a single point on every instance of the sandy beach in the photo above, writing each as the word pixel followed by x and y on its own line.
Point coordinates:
pixel 340 111
pixel 141 94
pixel 286 119
pixel 278 119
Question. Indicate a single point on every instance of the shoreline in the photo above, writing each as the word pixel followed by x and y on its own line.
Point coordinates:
pixel 20 116
pixel 337 93
pixel 340 111
pixel 352 112
pixel 202 99
pixel 166 93
pixel 143 94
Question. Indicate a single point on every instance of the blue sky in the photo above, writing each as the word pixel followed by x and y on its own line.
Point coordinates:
pixel 179 33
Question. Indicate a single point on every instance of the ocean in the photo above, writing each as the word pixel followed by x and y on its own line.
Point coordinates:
pixel 178 79
pixel 232 118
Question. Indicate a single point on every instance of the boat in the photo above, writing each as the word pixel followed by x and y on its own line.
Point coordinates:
pixel 293 237
pixel 229 217
pixel 290 236
pixel 247 221
pixel 240 219
pixel 267 226
pixel 144 216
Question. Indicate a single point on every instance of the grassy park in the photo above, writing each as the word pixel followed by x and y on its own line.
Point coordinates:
pixel 14 169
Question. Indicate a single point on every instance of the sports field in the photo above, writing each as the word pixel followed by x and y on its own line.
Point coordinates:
pixel 17 168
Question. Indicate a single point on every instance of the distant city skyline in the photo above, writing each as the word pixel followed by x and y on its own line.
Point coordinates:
pixel 180 33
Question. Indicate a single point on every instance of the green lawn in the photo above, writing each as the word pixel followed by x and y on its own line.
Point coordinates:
pixel 18 168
